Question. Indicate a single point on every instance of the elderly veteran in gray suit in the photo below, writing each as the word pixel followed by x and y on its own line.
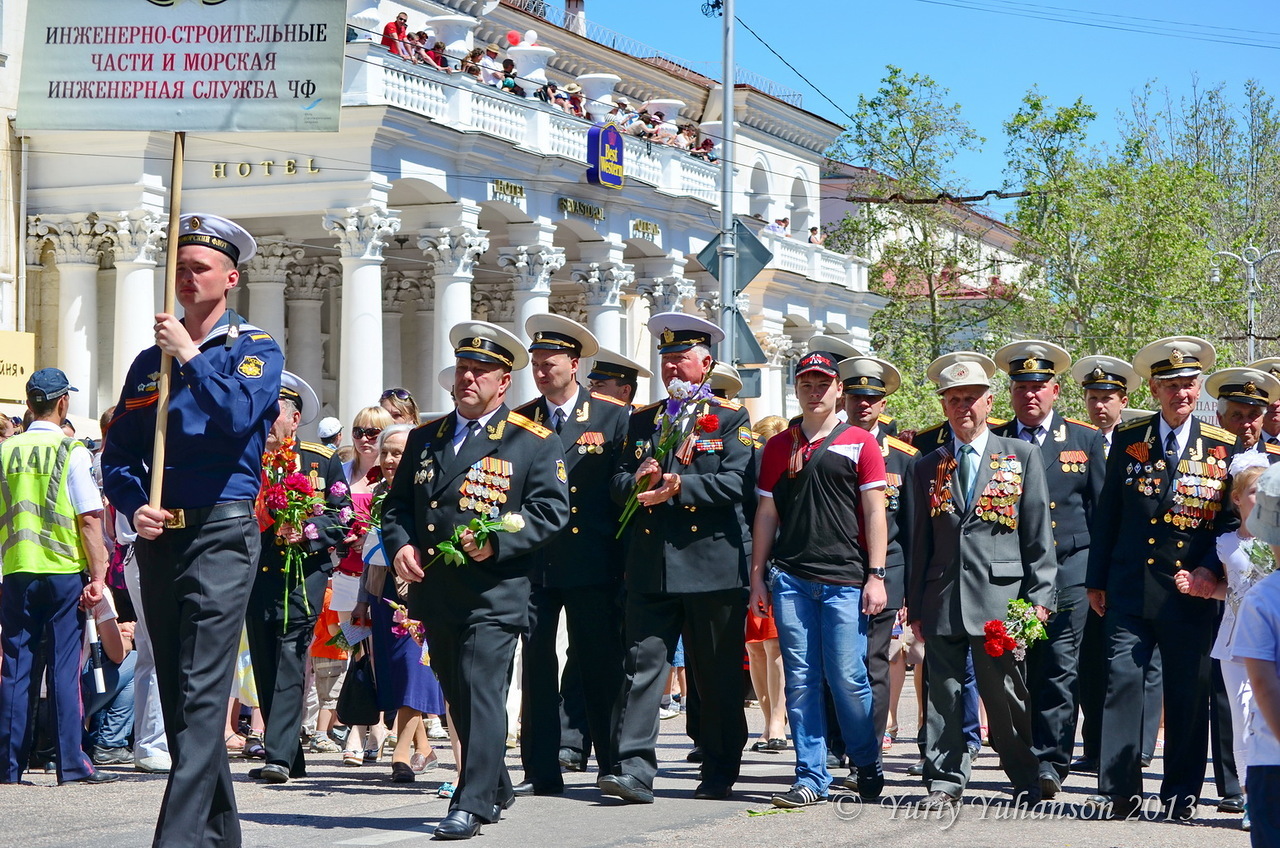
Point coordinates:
pixel 980 538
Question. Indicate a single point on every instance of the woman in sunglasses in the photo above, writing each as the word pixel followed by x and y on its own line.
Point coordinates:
pixel 401 406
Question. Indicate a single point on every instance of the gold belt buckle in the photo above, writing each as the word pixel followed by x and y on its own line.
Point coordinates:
pixel 178 521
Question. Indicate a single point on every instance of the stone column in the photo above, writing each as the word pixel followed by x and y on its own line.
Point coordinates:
pixel 135 246
pixel 662 284
pixel 304 300
pixel 266 275
pixel 777 349
pixel 362 232
pixel 602 275
pixel 77 241
pixel 532 264
pixel 394 292
pixel 420 296
pixel 453 251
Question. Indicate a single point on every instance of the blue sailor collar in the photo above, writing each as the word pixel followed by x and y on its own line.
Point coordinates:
pixel 228 329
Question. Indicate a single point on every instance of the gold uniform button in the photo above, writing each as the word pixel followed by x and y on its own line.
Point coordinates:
pixel 1052 505
pixel 573 509
pixel 1177 564
pixel 1151 562
pixel 431 551
pixel 693 509
pixel 573 489
pixel 646 531
pixel 694 528
pixel 575 529
pixel 1180 543
pixel 430 527
pixel 434 504
pixel 1151 541
pixel 1153 521
pixel 1053 524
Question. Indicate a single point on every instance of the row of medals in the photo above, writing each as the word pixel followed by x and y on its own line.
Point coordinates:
pixel 1007 485
pixel 484 488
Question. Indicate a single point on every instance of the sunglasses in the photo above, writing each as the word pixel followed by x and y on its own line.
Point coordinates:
pixel 400 394
pixel 366 432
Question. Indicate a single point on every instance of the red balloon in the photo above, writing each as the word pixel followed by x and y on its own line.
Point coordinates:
pixel 513 38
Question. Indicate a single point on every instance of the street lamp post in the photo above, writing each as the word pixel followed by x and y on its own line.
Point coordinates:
pixel 1251 258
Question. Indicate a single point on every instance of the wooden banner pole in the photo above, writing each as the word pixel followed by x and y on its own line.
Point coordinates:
pixel 170 305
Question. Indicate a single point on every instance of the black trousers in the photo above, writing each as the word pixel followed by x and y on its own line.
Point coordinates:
pixel 279 655
pixel 195 586
pixel 1184 655
pixel 879 639
pixel 714 628
pixel 594 624
pixel 1052 667
pixel 474 663
pixel 575 733
pixel 1092 679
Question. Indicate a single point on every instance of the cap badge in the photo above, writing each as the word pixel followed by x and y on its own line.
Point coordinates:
pixel 960 372
pixel 476 342
pixel 1250 388
pixel 1176 357
pixel 1098 374
pixel 1029 364
pixel 667 336
pixel 862 382
pixel 194 222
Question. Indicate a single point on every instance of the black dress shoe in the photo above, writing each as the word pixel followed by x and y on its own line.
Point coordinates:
pixel 529 788
pixel 573 760
pixel 95 777
pixel 273 773
pixel 1104 807
pixel 402 773
pixel 1027 797
pixel 1050 783
pixel 1231 804
pixel 694 755
pixel 626 787
pixel 712 790
pixel 1085 765
pixel 459 824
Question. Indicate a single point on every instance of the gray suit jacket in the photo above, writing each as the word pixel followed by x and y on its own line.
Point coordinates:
pixel 965 569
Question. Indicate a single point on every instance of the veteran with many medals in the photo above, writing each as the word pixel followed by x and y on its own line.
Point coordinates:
pixel 485 460
pixel 580 571
pixel 1159 513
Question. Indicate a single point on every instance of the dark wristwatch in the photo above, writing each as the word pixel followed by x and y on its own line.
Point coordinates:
pixel 877 572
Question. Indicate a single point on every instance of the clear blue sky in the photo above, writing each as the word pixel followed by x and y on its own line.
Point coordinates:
pixel 987 52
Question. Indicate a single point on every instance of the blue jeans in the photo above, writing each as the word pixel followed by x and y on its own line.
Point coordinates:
pixel 823 634
pixel 109 714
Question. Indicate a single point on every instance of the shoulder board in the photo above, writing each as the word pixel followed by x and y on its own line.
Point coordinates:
pixel 899 445
pixel 526 424
pixel 885 419
pixel 258 337
pixel 1081 423
pixel 1215 432
pixel 651 407
pixel 608 399
pixel 759 443
pixel 931 429
pixel 431 423
pixel 314 447
pixel 1272 447
pixel 726 403
pixel 1135 423
pixel 996 422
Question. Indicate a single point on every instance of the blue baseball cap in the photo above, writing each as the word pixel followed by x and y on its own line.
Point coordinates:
pixel 48 384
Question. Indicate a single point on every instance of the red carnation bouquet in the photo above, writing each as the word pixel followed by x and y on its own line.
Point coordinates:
pixel 708 423
pixel 1019 630
pixel 288 500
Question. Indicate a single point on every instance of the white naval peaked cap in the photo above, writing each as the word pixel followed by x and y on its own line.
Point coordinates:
pixel 1175 356
pixel 962 368
pixel 213 231
pixel 296 389
pixel 485 342
pixel 1105 372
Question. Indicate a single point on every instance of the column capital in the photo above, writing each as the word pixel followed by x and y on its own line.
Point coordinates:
pixel 420 289
pixel 271 262
pixel 310 280
pixel 136 236
pixel 398 289
pixel 777 347
pixel 454 250
pixel 493 303
pixel 76 238
pixel 602 282
pixel 362 231
pixel 531 266
pixel 666 293
pixel 568 305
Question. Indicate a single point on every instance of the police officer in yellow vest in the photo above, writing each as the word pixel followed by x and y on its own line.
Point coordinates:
pixel 50 535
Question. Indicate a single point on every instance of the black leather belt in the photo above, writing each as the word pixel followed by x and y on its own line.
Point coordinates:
pixel 191 517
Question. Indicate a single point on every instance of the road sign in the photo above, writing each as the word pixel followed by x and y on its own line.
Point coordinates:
pixel 752 256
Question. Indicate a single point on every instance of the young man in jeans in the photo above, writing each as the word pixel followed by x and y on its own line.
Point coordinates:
pixel 818 560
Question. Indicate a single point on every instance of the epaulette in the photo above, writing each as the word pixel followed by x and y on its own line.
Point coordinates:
pixel 1137 422
pixel 259 337
pixel 996 422
pixel 441 421
pixel 726 403
pixel 931 429
pixel 901 446
pixel 1081 423
pixel 759 443
pixel 1271 447
pixel 650 407
pixel 608 399
pixel 885 419
pixel 1215 432
pixel 527 424
pixel 323 450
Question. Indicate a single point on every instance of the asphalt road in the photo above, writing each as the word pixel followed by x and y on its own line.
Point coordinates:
pixel 342 806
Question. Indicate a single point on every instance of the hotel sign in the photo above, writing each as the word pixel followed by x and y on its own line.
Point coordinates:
pixel 17 364
pixel 508 191
pixel 604 156
pixel 192 66
pixel 642 229
pixel 569 206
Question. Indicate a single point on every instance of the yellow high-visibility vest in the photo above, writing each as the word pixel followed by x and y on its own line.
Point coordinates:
pixel 39 530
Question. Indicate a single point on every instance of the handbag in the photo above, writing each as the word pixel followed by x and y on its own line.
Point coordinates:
pixel 358 699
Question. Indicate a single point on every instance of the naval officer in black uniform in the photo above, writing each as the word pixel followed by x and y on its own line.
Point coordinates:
pixel 1160 512
pixel 1074 466
pixel 617 376
pixel 197 554
pixel 482 459
pixel 281 617
pixel 685 570
pixel 580 571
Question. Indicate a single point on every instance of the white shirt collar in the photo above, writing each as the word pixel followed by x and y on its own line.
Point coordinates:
pixel 1045 426
pixel 44 425
pixel 1181 435
pixel 979 443
pixel 460 425
pixel 567 407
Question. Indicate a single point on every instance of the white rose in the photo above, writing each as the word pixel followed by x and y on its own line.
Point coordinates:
pixel 512 522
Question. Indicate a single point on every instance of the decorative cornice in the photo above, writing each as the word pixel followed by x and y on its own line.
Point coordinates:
pixel 362 232
pixel 77 238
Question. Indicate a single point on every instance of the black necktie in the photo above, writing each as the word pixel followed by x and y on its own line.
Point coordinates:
pixel 1171 449
pixel 558 420
pixel 1032 434
pixel 473 427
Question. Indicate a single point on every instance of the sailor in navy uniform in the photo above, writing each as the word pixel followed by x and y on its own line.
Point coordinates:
pixel 685 570
pixel 283 607
pixel 485 460
pixel 617 376
pixel 197 554
pixel 1162 507
pixel 580 571
pixel 1074 466
pixel 868 382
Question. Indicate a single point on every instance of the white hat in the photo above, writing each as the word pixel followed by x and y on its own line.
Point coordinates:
pixel 835 345
pixel 446 376
pixel 1243 385
pixel 216 232
pixel 296 389
pixel 1105 372
pixel 1175 356
pixel 485 342
pixel 676 332
pixel 866 375
pixel 329 427
pixel 1032 360
pixel 1270 364
pixel 555 332
pixel 724 378
pixel 962 368
pixel 1264 521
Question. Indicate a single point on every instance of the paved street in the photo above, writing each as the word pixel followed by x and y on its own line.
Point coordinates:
pixel 340 806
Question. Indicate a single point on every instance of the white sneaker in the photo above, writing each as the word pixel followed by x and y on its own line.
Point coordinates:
pixel 435 730
pixel 153 765
pixel 665 713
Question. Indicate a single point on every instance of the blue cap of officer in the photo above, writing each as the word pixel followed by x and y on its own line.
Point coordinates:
pixel 48 384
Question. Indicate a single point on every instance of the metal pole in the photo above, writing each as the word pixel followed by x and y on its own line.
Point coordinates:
pixel 1250 258
pixel 1251 279
pixel 728 241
